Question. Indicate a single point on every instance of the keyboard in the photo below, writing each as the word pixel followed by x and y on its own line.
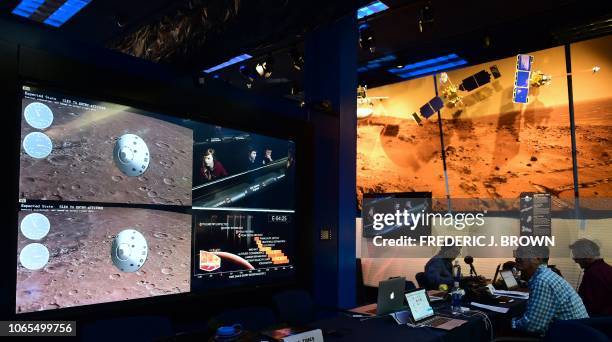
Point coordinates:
pixel 434 322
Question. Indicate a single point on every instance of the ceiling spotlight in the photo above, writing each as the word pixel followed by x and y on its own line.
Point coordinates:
pixel 297 59
pixel 366 38
pixel 426 17
pixel 264 69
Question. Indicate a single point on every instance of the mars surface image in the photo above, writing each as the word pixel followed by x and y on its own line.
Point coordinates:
pixel 494 148
pixel 80 166
pixel 80 270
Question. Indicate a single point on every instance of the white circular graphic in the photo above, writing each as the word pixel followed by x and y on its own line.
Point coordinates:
pixel 34 256
pixel 129 250
pixel 37 145
pixel 131 155
pixel 38 115
pixel 35 226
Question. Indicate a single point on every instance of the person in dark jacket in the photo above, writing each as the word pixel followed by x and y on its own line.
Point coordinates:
pixel 439 269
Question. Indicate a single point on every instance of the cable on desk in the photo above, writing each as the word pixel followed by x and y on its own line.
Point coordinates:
pixel 438 337
pixel 487 320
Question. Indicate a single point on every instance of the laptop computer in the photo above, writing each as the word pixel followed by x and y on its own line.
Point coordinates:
pixel 390 298
pixel 496 273
pixel 509 280
pixel 422 313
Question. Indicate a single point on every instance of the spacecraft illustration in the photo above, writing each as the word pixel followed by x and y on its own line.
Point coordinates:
pixel 131 155
pixel 129 250
pixel 365 103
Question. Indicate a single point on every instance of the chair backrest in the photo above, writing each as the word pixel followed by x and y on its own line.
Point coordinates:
pixel 420 278
pixel 603 324
pixel 409 286
pixel 295 307
pixel 138 328
pixel 572 330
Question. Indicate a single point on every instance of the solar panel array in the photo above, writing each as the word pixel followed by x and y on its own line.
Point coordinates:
pixel 521 78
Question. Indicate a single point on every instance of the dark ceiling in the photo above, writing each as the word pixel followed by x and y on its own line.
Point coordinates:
pixel 193 34
pixel 196 34
pixel 478 31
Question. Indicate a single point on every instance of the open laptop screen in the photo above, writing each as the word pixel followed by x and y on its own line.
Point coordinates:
pixel 419 305
pixel 509 279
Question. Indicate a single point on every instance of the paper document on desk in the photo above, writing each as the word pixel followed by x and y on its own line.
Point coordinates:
pixel 490 307
pixel 515 294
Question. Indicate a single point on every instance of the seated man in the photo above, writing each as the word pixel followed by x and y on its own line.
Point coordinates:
pixel 551 298
pixel 596 284
pixel 439 269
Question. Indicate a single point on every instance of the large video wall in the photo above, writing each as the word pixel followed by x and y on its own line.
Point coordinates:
pixel 118 203
pixel 495 148
pixel 394 154
pixel 593 116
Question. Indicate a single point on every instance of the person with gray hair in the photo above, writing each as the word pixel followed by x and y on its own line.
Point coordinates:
pixel 551 298
pixel 596 285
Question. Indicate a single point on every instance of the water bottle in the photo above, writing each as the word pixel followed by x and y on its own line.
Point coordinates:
pixel 456 293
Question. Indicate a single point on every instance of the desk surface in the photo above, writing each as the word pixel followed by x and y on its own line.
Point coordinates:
pixel 344 328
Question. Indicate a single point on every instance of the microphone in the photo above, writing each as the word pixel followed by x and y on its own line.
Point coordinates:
pixel 469 260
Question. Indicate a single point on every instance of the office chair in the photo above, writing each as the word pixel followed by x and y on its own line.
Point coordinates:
pixel 409 286
pixel 574 330
pixel 602 324
pixel 587 329
pixel 420 278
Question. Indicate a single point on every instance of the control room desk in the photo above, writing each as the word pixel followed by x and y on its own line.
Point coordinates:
pixel 345 328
